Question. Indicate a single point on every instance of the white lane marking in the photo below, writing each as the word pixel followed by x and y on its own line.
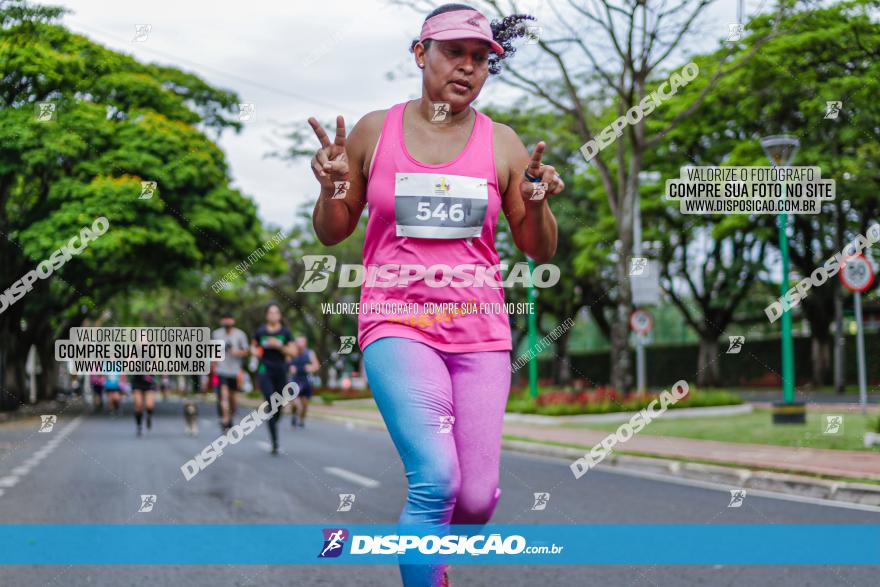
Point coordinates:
pixel 9 481
pixel 24 469
pixel 353 477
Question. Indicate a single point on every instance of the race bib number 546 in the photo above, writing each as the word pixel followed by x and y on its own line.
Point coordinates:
pixel 431 205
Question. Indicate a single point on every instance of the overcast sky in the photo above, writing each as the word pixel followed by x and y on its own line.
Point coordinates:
pixel 294 60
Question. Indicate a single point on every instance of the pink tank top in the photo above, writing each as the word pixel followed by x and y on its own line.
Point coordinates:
pixel 440 218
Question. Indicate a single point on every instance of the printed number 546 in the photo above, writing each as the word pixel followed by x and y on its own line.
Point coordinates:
pixel 456 212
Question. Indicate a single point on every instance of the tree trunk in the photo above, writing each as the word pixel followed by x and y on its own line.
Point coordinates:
pixel 621 367
pixel 563 361
pixel 621 364
pixel 708 367
pixel 47 380
pixel 839 342
pixel 820 352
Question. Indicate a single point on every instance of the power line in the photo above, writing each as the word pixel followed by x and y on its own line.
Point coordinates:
pixel 257 84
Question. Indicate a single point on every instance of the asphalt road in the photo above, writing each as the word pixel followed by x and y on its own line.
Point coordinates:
pixel 96 469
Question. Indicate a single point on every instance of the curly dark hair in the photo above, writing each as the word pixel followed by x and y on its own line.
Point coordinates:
pixel 504 31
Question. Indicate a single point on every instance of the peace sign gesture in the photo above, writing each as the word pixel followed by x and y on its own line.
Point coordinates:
pixel 330 163
pixel 540 180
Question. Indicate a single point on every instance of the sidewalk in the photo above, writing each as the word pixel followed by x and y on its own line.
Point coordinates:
pixel 809 461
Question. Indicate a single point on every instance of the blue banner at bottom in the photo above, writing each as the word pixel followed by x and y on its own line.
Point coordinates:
pixel 613 544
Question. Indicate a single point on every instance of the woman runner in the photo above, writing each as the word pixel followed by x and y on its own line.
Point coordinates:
pixel 435 173
pixel 273 343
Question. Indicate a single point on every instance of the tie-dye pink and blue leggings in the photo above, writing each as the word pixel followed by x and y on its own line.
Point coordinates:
pixel 452 466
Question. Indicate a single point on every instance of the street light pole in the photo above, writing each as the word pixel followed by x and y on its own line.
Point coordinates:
pixel 787 341
pixel 781 149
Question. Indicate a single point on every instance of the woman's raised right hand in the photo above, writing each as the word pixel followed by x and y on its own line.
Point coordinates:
pixel 330 163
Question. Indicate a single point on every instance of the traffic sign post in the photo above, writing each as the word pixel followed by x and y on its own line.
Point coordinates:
pixel 857 275
pixel 641 322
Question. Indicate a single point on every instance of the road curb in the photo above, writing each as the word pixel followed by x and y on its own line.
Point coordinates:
pixel 735 477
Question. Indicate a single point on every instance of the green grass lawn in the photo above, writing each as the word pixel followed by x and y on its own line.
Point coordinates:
pixel 825 390
pixel 757 428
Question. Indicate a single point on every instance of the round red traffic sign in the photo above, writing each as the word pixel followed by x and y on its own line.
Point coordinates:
pixel 641 321
pixel 856 274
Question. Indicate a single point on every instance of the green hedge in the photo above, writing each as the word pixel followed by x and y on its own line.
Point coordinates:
pixel 753 366
pixel 525 404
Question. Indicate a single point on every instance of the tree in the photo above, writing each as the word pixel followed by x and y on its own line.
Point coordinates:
pixel 826 54
pixel 116 123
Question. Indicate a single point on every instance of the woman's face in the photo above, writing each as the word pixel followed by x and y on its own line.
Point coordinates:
pixel 455 71
pixel 273 314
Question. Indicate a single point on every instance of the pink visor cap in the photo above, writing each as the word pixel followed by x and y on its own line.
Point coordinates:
pixel 459 24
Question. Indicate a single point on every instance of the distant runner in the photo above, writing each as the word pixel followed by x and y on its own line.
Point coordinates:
pixel 273 342
pixel 228 370
pixel 305 363
pixel 97 383
pixel 113 386
pixel 143 390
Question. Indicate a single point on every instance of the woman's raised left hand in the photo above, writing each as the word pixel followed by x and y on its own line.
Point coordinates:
pixel 550 184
